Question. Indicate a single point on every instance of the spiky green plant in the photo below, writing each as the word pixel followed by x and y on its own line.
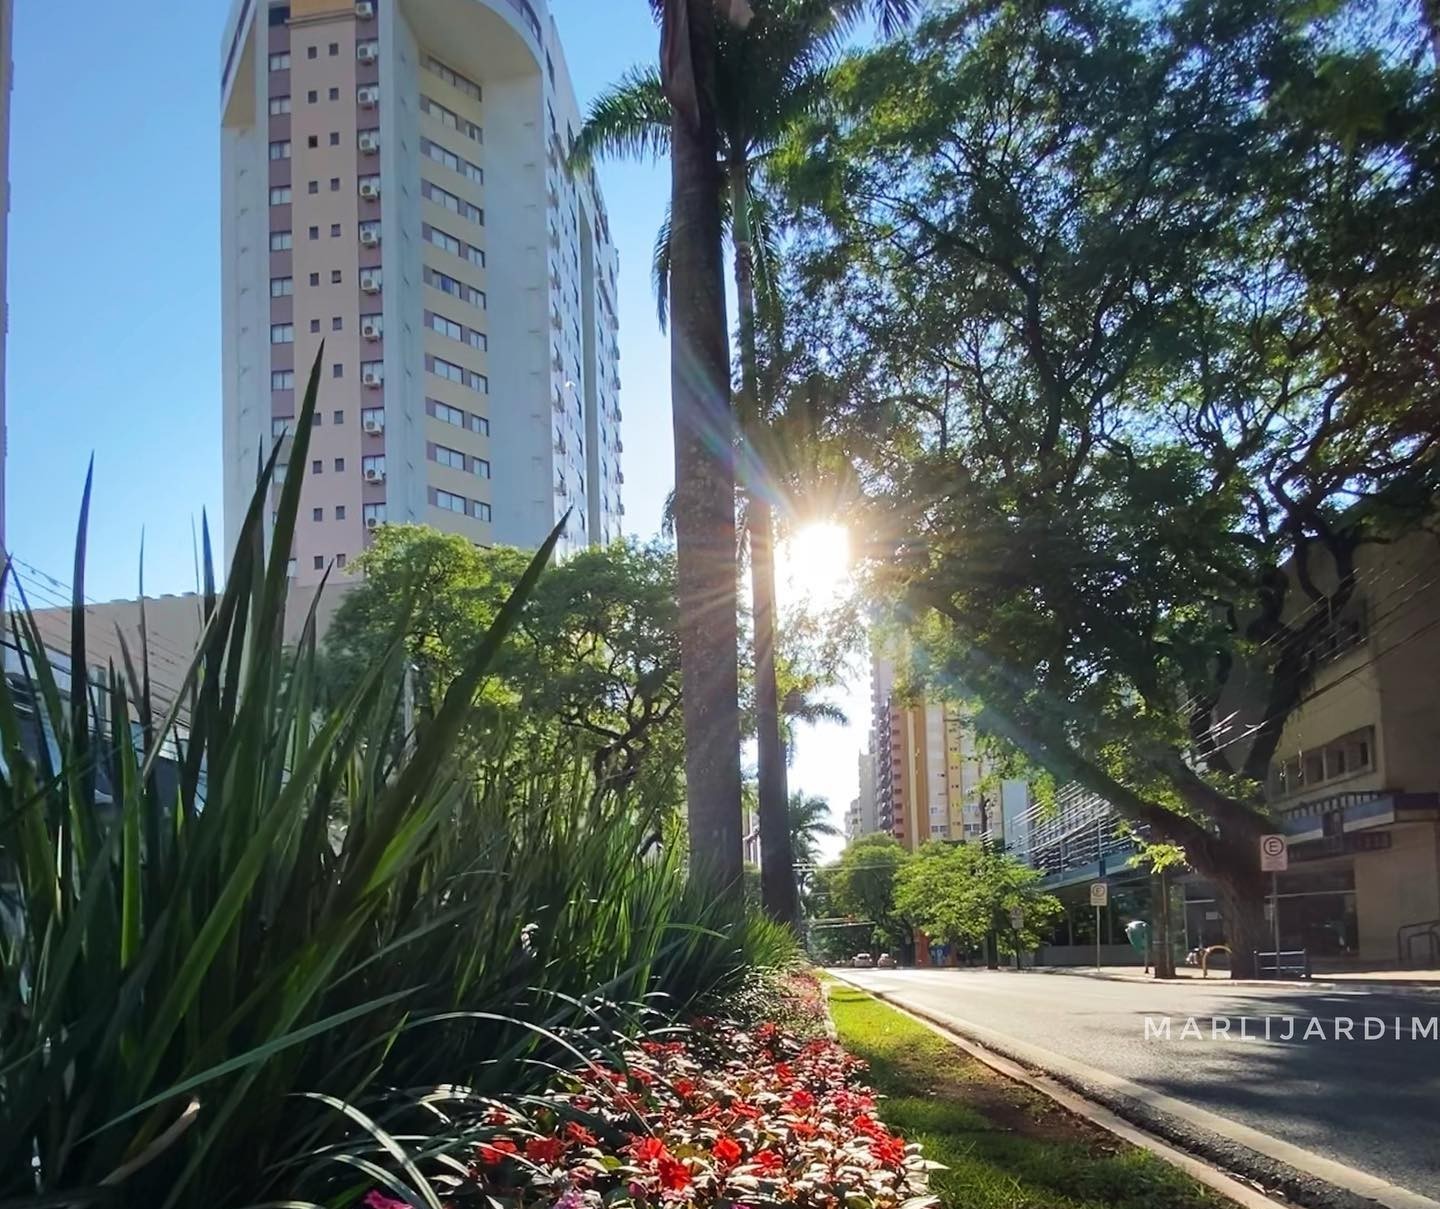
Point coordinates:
pixel 213 933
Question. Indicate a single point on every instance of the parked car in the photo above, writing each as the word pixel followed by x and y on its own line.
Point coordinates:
pixel 862 961
pixel 885 962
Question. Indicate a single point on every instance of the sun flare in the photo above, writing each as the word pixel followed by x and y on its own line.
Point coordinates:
pixel 815 563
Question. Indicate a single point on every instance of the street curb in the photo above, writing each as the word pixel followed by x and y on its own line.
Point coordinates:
pixel 1342 984
pixel 1245 1170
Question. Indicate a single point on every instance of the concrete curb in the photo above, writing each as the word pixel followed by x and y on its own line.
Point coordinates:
pixel 1353 984
pixel 1246 1159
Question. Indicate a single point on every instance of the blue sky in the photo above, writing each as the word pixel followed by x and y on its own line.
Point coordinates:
pixel 114 293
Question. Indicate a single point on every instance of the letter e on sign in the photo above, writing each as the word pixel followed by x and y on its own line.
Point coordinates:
pixel 1274 855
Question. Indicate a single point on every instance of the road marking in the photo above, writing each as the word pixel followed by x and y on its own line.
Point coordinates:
pixel 1381 1191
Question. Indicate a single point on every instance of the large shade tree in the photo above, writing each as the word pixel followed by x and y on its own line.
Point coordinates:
pixel 732 76
pixel 1135 311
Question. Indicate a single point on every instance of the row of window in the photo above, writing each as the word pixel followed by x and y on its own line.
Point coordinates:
pixel 455 163
pixel 457 373
pixel 453 78
pixel 456 205
pixel 284 241
pixel 456 331
pixel 280 61
pixel 1342 757
pixel 455 288
pixel 451 502
pixel 450 119
pixel 284 379
pixel 456 247
pixel 457 460
pixel 460 419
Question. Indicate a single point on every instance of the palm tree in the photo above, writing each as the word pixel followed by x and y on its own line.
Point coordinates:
pixel 808 821
pixel 764 77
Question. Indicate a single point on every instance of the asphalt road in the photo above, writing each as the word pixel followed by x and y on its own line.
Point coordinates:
pixel 1372 1105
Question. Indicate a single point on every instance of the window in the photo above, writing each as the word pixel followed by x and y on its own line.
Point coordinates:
pixel 453 78
pixel 456 163
pixel 280 195
pixel 445 413
pixel 313 141
pixel 312 52
pixel 340 558
pixel 448 457
pixel 369 232
pixel 339 465
pixel 334 138
pixel 314 278
pixel 334 184
pixel 450 502
pixel 477 382
pixel 337 370
pixel 282 287
pixel 369 184
pixel 311 97
pixel 317 514
pixel 482 511
pixel 314 232
pixel 446 327
pixel 446 117
pixel 282 379
pixel 282 333
pixel 373 512
pixel 480 468
pixel 280 62
pixel 373 465
pixel 476 298
pixel 280 426
pixel 477 339
pixel 335 276
pixel 481 425
pixel 279 105
pixel 444 282
pixel 319 562
pixel 334 49
pixel 441 240
pixel 338 418
pixel 337 324
pixel 372 372
pixel 340 515
pixel 280 150
pixel 372 326
pixel 334 230
pixel 291 569
pixel 367 49
pixel 334 94
pixel 475 256
pixel 456 205
pixel 313 187
pixel 446 369
pixel 372 417
pixel 314 325
pixel 317 466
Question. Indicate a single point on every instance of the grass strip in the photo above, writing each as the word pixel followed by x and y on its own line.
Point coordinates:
pixel 1004 1145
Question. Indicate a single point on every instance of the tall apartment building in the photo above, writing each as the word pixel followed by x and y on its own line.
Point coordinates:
pixel 395 186
pixel 928 771
pixel 862 817
pixel 7 77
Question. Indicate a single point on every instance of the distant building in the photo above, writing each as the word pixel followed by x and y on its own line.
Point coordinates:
pixel 862 818
pixel 394 184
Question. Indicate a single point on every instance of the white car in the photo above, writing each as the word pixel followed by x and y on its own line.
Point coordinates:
pixel 862 961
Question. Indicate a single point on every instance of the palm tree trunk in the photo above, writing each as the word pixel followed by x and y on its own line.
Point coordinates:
pixel 778 893
pixel 704 482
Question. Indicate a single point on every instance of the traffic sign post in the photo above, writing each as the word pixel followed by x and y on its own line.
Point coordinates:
pixel 1274 860
pixel 1099 899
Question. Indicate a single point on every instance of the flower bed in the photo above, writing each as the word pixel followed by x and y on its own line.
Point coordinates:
pixel 714 1115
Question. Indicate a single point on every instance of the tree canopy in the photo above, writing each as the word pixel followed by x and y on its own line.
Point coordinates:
pixel 1131 318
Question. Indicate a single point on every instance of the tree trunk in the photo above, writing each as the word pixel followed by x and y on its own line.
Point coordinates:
pixel 777 869
pixel 704 482
pixel 1241 895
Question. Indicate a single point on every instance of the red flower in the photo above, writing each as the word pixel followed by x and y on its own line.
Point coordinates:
pixel 684 1087
pixel 727 1151
pixel 674 1175
pixel 768 1161
pixel 648 1150
pixel 544 1150
pixel 494 1152
pixel 889 1150
pixel 803 1129
pixel 784 1073
pixel 747 1112
pixel 801 1100
pixel 575 1132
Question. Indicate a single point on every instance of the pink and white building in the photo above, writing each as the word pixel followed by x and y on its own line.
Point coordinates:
pixel 395 187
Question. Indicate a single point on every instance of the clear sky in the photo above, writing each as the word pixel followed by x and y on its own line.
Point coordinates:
pixel 114 293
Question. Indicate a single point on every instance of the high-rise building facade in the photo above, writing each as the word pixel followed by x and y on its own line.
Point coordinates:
pixel 395 188
pixel 862 817
pixel 7 76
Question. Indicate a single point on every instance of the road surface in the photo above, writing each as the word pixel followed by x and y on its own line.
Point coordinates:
pixel 1373 1105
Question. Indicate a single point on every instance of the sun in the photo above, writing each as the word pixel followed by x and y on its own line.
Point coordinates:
pixel 814 563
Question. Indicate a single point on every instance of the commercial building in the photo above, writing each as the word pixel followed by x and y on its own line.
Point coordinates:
pixel 395 189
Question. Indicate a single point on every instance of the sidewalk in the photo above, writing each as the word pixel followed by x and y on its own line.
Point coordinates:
pixel 1411 979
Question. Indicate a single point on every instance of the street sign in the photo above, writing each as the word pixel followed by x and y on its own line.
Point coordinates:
pixel 1017 918
pixel 1099 894
pixel 1274 855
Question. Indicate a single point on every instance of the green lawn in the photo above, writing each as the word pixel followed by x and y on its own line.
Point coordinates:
pixel 1004 1146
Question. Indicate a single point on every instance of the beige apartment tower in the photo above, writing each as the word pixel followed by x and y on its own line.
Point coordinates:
pixel 395 187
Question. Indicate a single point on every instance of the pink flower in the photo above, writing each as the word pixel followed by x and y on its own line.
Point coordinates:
pixel 376 1199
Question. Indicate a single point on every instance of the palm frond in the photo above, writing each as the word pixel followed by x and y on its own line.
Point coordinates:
pixel 660 270
pixel 630 120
